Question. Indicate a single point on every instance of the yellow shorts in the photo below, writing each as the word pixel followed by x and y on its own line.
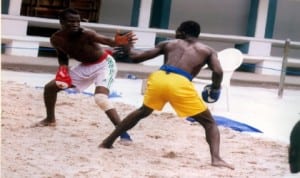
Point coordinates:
pixel 175 89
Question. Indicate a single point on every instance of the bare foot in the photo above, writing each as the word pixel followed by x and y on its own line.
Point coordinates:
pixel 102 145
pixel 44 123
pixel 221 163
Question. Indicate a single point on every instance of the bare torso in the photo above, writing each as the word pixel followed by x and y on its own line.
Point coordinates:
pixel 80 46
pixel 189 55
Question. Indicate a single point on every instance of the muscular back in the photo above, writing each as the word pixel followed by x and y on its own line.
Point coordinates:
pixel 189 55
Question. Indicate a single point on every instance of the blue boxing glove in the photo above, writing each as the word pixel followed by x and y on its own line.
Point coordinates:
pixel 210 95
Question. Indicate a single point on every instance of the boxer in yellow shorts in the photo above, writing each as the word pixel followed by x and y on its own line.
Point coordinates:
pixel 183 59
pixel 175 89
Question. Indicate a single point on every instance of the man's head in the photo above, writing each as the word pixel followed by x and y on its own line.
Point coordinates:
pixel 294 149
pixel 188 28
pixel 70 20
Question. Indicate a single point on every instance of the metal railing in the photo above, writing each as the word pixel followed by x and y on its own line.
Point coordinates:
pixel 286 45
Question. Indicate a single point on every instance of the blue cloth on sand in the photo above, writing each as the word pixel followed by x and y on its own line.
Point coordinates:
pixel 235 125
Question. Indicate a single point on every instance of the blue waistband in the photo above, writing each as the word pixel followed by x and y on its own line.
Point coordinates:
pixel 176 70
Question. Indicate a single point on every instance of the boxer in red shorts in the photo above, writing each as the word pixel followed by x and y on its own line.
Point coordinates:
pixel 97 65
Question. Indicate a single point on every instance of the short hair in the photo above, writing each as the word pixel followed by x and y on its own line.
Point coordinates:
pixel 190 27
pixel 63 14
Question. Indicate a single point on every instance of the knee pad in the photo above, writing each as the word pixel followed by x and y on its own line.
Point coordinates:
pixel 103 102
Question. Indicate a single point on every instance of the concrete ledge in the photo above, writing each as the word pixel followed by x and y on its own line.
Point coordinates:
pixel 49 65
pixel 24 45
pixel 42 41
pixel 146 39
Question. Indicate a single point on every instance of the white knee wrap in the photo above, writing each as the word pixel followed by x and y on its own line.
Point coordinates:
pixel 103 102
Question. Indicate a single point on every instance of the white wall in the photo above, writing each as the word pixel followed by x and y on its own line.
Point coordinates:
pixel 222 17
pixel 287 21
pixel 287 25
pixel 228 17
pixel 116 12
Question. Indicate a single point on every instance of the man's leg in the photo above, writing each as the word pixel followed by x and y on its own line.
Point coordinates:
pixel 101 99
pixel 115 119
pixel 50 96
pixel 129 122
pixel 212 137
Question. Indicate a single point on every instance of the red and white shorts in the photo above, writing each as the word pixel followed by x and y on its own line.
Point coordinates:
pixel 101 74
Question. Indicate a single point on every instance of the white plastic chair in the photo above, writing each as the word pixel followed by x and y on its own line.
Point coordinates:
pixel 230 60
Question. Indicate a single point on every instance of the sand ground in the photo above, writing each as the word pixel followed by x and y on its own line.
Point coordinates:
pixel 164 145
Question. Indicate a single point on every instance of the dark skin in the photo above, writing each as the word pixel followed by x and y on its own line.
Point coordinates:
pixel 81 44
pixel 187 53
pixel 294 149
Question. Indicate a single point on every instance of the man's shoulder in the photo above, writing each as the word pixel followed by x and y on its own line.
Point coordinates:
pixel 88 31
pixel 205 47
pixel 57 34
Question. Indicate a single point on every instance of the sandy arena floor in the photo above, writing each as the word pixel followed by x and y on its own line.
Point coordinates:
pixel 164 145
